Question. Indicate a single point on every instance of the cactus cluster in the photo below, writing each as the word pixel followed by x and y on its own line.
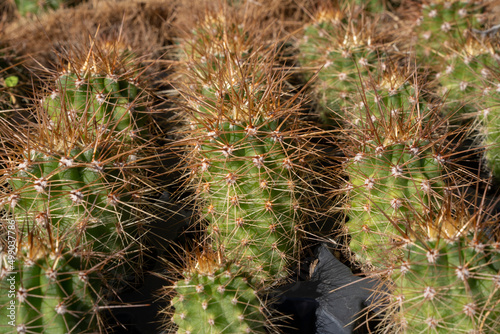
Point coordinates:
pixel 374 122
pixel 404 180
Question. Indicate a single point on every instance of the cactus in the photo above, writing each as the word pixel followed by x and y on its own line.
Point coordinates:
pixel 247 156
pixel 51 288
pixel 101 95
pixel 394 167
pixel 458 291
pixel 470 84
pixel 446 281
pixel 441 22
pixel 70 220
pixel 216 297
pixel 339 44
pixel 73 190
pixel 466 76
pixel 249 170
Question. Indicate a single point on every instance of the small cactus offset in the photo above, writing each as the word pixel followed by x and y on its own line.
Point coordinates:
pixel 74 192
pixel 216 297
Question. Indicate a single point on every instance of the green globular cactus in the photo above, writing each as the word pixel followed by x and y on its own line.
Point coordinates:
pixel 78 190
pixel 395 168
pixel 248 154
pixel 217 298
pixel 338 48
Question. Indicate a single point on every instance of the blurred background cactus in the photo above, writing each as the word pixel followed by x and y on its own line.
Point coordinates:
pixel 319 166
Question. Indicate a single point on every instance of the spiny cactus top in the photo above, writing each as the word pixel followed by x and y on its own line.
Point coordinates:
pixel 340 45
pixel 216 298
pixel 447 281
pixel 82 158
pixel 248 155
pixel 442 22
pixel 466 75
pixel 100 94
